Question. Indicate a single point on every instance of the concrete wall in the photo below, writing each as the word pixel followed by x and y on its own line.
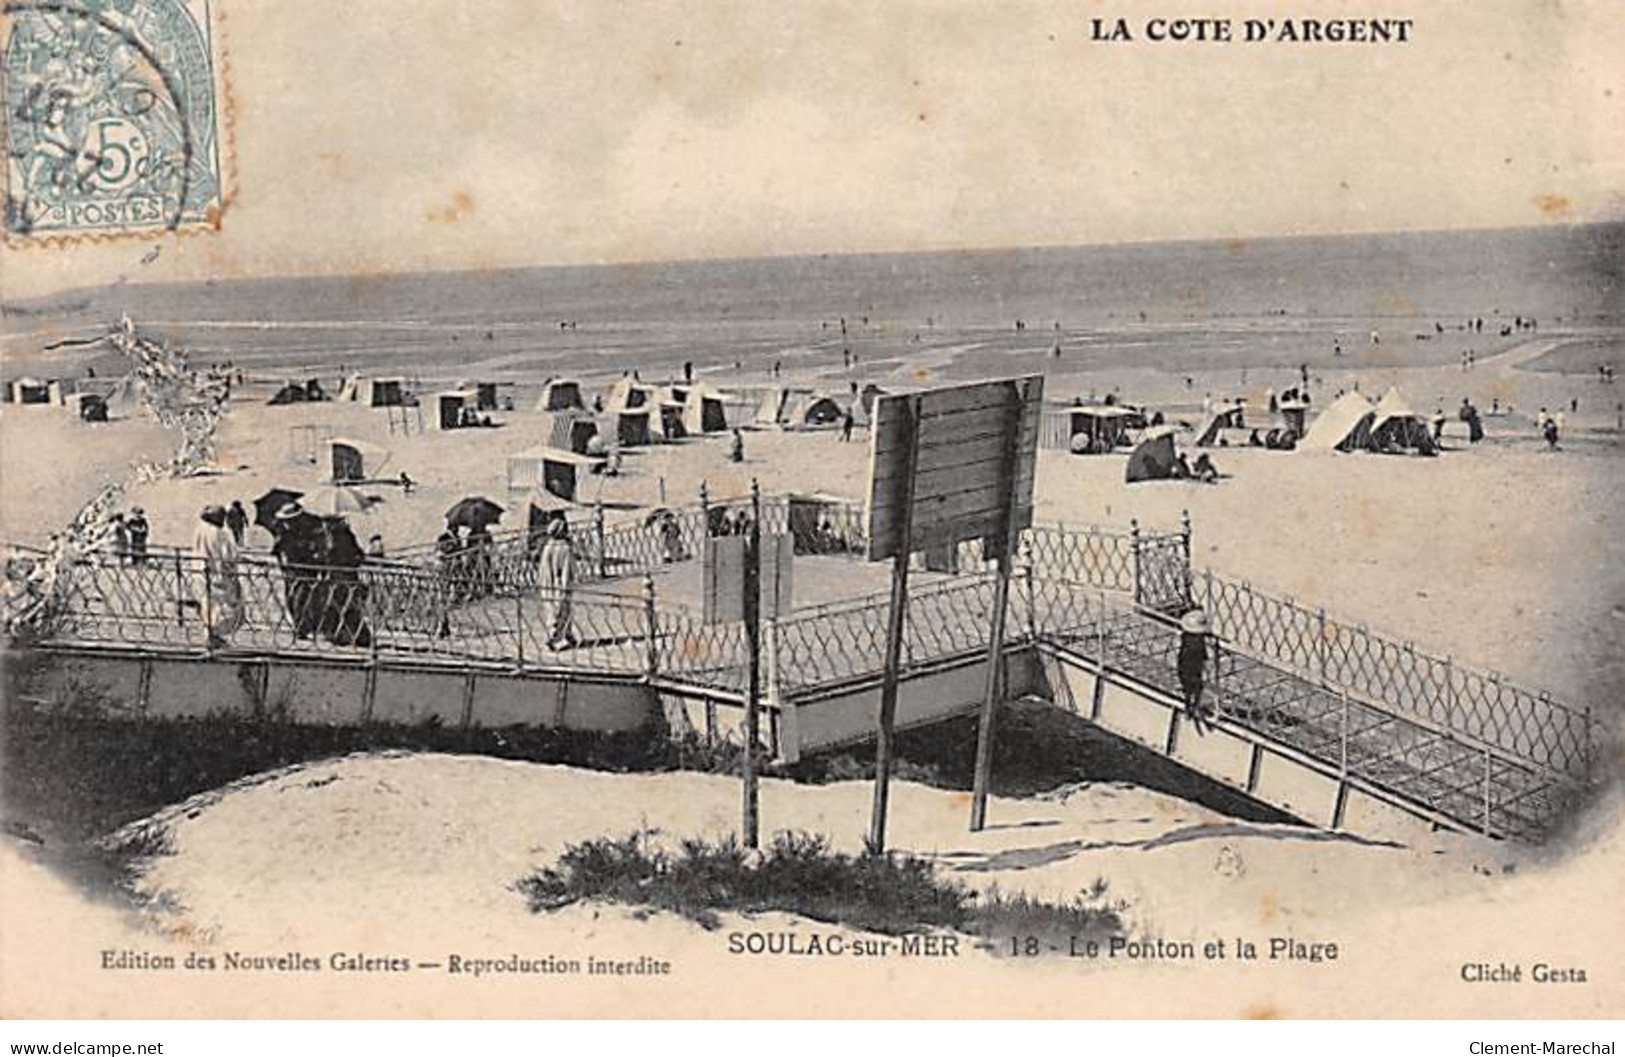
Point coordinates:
pixel 338 694
pixel 844 716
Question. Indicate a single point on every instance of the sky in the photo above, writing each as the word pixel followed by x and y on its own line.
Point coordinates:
pixel 410 135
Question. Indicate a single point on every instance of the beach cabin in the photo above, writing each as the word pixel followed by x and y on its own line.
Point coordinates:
pixel 375 392
pixel 456 408
pixel 555 471
pixel 630 393
pixel 560 394
pixel 704 409
pixel 1089 430
pixel 1343 426
pixel 88 407
pixel 35 391
pixel 355 460
pixel 570 430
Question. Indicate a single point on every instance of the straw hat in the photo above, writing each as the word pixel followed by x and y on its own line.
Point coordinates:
pixel 1196 623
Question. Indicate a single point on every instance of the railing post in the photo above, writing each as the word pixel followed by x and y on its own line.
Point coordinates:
pixel 1343 733
pixel 1588 748
pixel 1100 631
pixel 1186 572
pixel 705 514
pixel 1321 649
pixel 519 625
pixel 1134 548
pixel 599 561
pixel 1032 595
pixel 180 593
pixel 207 609
pixel 1489 801
pixel 651 626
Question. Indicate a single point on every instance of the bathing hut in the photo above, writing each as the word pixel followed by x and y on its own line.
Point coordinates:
pixel 556 471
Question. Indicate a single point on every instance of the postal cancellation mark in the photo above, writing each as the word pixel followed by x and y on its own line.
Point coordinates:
pixel 112 117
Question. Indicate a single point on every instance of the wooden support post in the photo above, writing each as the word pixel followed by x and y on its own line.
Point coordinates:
pixel 896 624
pixel 651 627
pixel 753 645
pixel 995 647
pixel 990 697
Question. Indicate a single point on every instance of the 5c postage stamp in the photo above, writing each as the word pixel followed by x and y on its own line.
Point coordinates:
pixel 113 117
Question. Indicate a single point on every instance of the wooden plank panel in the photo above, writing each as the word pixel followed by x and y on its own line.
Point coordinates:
pixel 973 464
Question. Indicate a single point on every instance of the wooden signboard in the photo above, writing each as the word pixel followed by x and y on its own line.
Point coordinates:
pixel 948 465
pixel 952 464
pixel 723 571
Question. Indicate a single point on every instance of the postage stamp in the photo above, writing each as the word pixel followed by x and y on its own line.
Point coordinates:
pixel 113 117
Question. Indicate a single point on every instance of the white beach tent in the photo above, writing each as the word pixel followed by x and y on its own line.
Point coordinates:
pixel 374 392
pixel 704 409
pixel 35 391
pixel 355 460
pixel 560 394
pixel 1344 426
pixel 1395 425
pixel 554 471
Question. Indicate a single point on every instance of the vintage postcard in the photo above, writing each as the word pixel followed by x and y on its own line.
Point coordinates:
pixel 1037 509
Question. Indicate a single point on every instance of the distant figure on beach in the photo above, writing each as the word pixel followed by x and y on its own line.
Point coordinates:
pixel 1194 630
pixel 1376 337
pixel 1204 470
pixel 1550 431
pixel 1271 399
pixel 556 573
pixel 1574 406
pixel 136 525
pixel 237 521
pixel 407 484
pixel 736 450
pixel 1438 424
pixel 1469 415
pixel 222 594
pixel 847 422
pixel 688 370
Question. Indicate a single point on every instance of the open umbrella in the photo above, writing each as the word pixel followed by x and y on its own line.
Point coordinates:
pixel 266 506
pixel 338 501
pixel 477 512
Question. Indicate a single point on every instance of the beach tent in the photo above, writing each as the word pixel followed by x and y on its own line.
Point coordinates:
pixel 88 407
pixel 629 393
pixel 35 391
pixel 560 394
pixel 637 414
pixel 813 409
pixel 1222 419
pixel 570 430
pixel 704 410
pixel 554 471
pixel 292 393
pixel 450 407
pixel 355 460
pixel 485 394
pixel 1344 426
pixel 770 411
pixel 374 392
pixel 1295 414
pixel 1152 459
pixel 1394 426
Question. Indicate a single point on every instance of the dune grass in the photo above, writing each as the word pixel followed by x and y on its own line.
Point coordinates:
pixel 800 873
